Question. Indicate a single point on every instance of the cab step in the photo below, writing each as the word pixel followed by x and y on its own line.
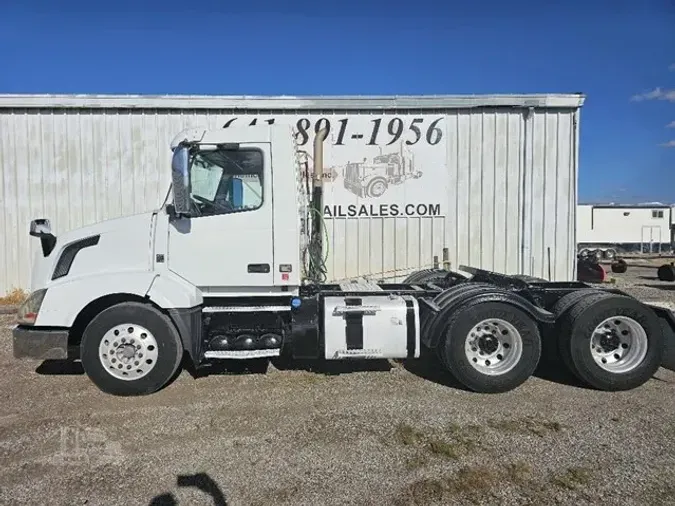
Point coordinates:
pixel 241 354
pixel 244 309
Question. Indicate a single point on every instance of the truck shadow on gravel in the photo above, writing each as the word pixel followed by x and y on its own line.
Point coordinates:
pixel 667 288
pixel 555 372
pixel 262 366
pixel 427 367
pixel 60 368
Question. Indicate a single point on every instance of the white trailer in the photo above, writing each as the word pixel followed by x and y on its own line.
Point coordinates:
pixel 492 178
pixel 645 228
pixel 219 272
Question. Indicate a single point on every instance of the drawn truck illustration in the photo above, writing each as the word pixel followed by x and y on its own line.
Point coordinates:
pixel 231 267
pixel 372 179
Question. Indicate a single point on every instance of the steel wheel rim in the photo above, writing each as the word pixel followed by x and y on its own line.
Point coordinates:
pixel 493 347
pixel 619 344
pixel 128 351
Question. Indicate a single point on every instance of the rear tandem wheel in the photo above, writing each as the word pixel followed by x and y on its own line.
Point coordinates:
pixel 490 347
pixel 610 342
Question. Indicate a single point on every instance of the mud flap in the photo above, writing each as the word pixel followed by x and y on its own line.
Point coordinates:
pixel 668 361
pixel 667 318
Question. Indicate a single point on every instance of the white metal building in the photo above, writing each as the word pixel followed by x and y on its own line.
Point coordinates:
pixel 492 178
pixel 641 227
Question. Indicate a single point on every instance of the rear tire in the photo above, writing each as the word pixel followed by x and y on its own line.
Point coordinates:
pixel 425 276
pixel 137 337
pixel 416 276
pixel 491 347
pixel 562 337
pixel 613 342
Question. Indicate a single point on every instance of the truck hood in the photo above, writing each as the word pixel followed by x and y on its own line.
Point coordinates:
pixel 120 244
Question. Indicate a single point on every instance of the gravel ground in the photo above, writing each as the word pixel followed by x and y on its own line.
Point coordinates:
pixel 393 434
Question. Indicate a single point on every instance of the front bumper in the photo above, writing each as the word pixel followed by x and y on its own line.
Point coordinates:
pixel 39 343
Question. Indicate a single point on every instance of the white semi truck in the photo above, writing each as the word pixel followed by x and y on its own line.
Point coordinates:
pixel 231 267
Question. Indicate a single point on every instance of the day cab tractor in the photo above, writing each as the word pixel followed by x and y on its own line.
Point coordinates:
pixel 231 267
pixel 373 179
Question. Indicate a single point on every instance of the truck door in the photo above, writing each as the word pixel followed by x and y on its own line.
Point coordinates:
pixel 228 242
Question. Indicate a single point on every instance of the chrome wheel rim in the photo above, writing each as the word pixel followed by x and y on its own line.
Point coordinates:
pixel 493 347
pixel 619 344
pixel 128 351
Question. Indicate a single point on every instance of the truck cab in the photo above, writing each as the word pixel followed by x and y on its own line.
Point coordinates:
pixel 241 231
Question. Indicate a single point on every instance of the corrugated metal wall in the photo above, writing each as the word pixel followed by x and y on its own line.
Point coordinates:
pixel 511 187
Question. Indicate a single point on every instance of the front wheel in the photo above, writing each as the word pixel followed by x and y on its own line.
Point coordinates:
pixel 131 349
pixel 491 347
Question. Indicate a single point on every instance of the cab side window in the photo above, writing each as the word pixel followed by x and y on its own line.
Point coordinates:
pixel 227 181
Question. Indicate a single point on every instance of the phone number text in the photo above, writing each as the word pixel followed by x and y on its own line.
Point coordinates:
pixel 381 131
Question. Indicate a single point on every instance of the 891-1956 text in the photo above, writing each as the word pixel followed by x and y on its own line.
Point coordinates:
pixel 384 131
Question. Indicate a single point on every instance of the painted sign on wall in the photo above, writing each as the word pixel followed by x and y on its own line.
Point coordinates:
pixel 375 165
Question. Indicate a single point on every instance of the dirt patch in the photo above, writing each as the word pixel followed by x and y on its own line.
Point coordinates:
pixel 526 425
pixel 451 442
pixel 573 478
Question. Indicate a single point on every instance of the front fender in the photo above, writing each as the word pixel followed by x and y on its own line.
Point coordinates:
pixel 64 300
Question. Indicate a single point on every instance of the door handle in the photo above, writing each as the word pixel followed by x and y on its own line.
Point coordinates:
pixel 259 268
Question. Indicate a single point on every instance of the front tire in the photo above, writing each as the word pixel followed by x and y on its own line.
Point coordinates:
pixel 131 349
pixel 491 347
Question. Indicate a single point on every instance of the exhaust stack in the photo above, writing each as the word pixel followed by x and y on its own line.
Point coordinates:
pixel 317 269
pixel 317 191
pixel 318 156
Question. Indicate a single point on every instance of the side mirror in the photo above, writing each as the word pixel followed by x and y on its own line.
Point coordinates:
pixel 40 227
pixel 180 176
pixel 43 229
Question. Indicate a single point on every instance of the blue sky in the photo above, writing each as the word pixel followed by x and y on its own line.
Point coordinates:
pixel 610 50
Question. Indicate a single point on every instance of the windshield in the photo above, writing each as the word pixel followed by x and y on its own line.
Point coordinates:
pixel 225 181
